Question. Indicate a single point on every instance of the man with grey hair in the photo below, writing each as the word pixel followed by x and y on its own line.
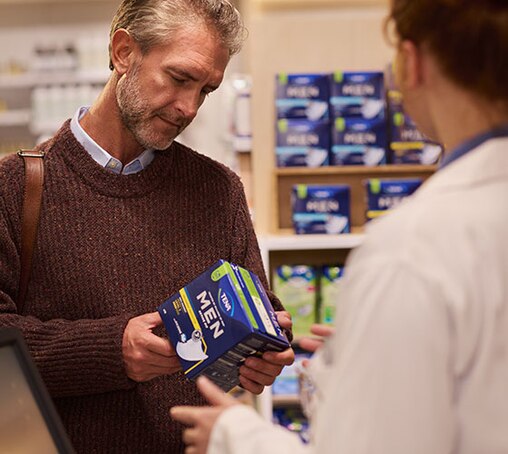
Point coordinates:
pixel 128 217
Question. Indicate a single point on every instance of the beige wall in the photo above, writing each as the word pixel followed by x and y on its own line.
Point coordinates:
pixel 299 36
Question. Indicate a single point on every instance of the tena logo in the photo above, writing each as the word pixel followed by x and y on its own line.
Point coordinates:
pixel 226 303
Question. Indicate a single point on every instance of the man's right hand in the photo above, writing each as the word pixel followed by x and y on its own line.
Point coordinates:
pixel 146 355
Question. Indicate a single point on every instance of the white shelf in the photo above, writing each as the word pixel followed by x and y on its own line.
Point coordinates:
pixel 291 242
pixel 29 79
pixel 18 117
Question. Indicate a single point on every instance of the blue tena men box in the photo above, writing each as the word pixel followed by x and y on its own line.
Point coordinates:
pixel 407 144
pixel 358 94
pixel 218 320
pixel 356 141
pixel 303 96
pixel 321 209
pixel 302 143
pixel 384 195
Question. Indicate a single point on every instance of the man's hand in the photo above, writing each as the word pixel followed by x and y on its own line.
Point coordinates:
pixel 256 373
pixel 201 420
pixel 146 355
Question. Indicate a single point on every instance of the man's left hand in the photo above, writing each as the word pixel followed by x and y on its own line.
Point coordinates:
pixel 256 373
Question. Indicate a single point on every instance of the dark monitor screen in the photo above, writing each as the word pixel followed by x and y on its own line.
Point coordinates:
pixel 29 422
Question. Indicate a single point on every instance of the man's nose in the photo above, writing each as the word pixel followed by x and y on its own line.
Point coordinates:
pixel 188 106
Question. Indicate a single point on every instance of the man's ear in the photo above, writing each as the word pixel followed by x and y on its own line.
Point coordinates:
pixel 123 50
pixel 409 66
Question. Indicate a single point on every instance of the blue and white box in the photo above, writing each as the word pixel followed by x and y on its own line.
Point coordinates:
pixel 384 195
pixel 303 96
pixel 302 143
pixel 218 320
pixel 407 144
pixel 321 209
pixel 356 141
pixel 358 94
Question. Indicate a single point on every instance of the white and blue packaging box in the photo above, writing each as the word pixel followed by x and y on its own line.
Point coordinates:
pixel 385 194
pixel 302 96
pixel 356 141
pixel 407 144
pixel 302 143
pixel 358 94
pixel 218 320
pixel 321 209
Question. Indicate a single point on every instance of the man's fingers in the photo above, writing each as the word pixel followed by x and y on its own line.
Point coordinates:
pixel 257 376
pixel 152 319
pixel 263 366
pixel 284 319
pixel 249 385
pixel 160 346
pixel 212 393
pixel 285 358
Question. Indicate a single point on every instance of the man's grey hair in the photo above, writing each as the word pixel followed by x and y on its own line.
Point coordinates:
pixel 152 22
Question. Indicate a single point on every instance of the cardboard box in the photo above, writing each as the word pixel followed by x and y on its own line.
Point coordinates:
pixel 218 320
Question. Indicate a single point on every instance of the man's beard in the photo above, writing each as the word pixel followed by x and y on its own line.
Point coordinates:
pixel 136 114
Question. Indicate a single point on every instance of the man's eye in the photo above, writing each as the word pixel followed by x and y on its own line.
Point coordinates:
pixel 178 80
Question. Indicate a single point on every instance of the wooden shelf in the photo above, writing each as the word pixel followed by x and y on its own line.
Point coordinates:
pixel 354 176
pixel 285 400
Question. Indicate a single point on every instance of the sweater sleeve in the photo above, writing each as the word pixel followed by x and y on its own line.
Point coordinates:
pixel 245 248
pixel 74 357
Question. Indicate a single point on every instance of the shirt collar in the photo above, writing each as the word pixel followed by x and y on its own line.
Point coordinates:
pixel 473 143
pixel 101 156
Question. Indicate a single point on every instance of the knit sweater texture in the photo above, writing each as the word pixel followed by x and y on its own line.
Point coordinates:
pixel 111 247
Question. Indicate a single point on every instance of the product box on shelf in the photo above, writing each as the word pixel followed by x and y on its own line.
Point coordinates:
pixel 296 288
pixel 302 96
pixel 321 209
pixel 385 194
pixel 218 320
pixel 407 144
pixel 330 284
pixel 357 141
pixel 302 143
pixel 358 94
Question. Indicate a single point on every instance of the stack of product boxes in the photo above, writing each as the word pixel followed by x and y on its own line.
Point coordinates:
pixel 342 118
pixel 407 144
pixel 384 195
pixel 303 126
pixel 310 294
pixel 321 209
pixel 358 115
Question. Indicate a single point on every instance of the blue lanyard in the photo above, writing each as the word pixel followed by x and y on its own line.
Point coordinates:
pixel 473 143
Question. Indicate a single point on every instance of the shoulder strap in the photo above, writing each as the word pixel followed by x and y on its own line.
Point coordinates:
pixel 34 181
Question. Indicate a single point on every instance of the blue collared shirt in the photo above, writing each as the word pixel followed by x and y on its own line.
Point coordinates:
pixel 473 143
pixel 101 156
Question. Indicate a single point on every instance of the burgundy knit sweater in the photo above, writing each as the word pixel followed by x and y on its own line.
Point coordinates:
pixel 111 247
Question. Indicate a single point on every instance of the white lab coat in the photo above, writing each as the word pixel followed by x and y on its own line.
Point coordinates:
pixel 419 362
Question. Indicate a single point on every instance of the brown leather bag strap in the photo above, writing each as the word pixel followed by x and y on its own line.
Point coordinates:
pixel 34 181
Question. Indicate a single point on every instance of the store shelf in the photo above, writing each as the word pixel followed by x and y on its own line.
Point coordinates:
pixel 29 79
pixel 18 117
pixel 354 176
pixel 283 400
